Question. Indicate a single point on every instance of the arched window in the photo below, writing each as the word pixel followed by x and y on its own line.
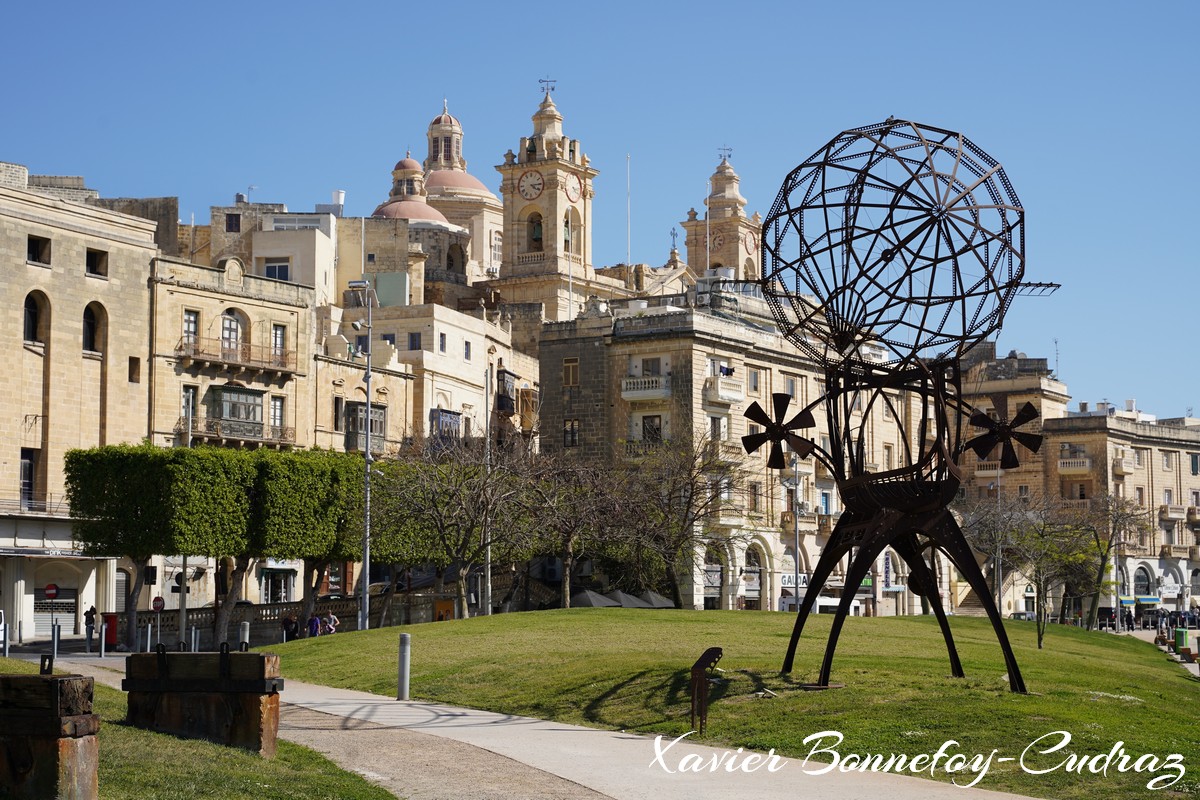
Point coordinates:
pixel 1141 582
pixel 456 260
pixel 534 230
pixel 33 318
pixel 231 328
pixel 94 328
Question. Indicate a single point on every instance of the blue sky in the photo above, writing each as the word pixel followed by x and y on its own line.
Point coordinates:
pixel 1090 107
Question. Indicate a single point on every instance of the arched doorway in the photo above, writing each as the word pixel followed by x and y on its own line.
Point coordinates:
pixel 753 575
pixel 714 578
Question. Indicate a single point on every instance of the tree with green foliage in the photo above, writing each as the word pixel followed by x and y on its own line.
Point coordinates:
pixel 1111 520
pixel 117 496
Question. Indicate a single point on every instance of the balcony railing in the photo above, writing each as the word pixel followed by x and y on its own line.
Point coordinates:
pixel 49 505
pixel 1131 549
pixel 723 390
pixel 238 354
pixel 1193 514
pixel 725 451
pixel 237 430
pixel 1172 512
pixel 987 469
pixel 1123 465
pixel 1074 466
pixel 651 387
pixel 640 448
pixel 1174 551
pixel 730 514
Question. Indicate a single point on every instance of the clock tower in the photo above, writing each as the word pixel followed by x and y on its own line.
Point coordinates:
pixel 725 237
pixel 546 190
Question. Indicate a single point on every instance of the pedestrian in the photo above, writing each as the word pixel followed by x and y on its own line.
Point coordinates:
pixel 330 623
pixel 1129 620
pixel 314 625
pixel 291 627
pixel 89 623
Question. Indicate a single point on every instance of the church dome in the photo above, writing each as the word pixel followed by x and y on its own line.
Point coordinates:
pixel 439 180
pixel 413 210
pixel 445 118
pixel 407 163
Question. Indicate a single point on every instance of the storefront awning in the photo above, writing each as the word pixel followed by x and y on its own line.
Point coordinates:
pixel 1126 600
pixel 1147 600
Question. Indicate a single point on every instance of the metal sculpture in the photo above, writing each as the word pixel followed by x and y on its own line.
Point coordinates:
pixel 891 252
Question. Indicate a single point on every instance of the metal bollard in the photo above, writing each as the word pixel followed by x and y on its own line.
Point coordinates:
pixel 103 637
pixel 149 637
pixel 20 631
pixel 402 677
pixel 4 633
pixel 54 634
pixel 195 640
pixel 244 635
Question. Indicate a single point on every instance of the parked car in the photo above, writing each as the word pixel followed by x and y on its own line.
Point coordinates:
pixel 1027 616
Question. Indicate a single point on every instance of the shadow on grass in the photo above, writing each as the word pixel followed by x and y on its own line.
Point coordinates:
pixel 672 693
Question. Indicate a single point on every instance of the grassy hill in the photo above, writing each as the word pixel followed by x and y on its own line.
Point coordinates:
pixel 628 669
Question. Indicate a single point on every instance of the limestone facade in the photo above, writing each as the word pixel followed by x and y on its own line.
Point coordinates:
pixel 76 281
pixel 625 375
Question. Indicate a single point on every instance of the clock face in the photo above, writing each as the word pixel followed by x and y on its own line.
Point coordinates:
pixel 530 184
pixel 573 187
pixel 750 241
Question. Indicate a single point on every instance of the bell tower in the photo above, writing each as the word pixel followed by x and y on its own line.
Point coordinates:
pixel 724 237
pixel 546 190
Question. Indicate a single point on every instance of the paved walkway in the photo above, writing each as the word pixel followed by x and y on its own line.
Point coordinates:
pixel 430 751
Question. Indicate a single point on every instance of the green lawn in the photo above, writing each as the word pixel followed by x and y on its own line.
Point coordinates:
pixel 140 765
pixel 628 669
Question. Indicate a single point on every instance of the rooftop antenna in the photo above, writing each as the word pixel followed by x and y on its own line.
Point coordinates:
pixel 1056 373
pixel 547 84
pixel 249 189
pixel 628 214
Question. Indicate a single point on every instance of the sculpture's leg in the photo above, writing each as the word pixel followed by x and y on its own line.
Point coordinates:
pixel 831 554
pixel 859 567
pixel 906 547
pixel 949 537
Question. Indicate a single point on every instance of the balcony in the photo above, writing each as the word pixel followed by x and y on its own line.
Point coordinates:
pixel 37 503
pixel 640 448
pixel 1076 505
pixel 1124 549
pixel 1123 465
pixel 1173 513
pixel 1194 553
pixel 723 391
pixel 1074 466
pixel 725 451
pixel 237 431
pixel 1175 551
pixel 825 524
pixel 242 355
pixel 651 387
pixel 987 469
pixel 1193 515
pixel 787 521
pixel 729 514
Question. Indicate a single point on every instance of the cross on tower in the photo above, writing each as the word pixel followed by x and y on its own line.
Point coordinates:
pixel 725 152
pixel 547 84
pixel 674 234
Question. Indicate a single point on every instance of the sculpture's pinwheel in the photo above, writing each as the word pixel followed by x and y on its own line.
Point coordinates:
pixel 1003 432
pixel 777 431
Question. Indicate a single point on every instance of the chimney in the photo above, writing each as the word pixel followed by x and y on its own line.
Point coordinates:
pixel 1083 407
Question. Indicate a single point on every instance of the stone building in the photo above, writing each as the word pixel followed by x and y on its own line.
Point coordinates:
pixel 1088 453
pixel 626 376
pixel 78 274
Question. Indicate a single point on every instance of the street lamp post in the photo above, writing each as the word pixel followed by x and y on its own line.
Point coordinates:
pixel 364 606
